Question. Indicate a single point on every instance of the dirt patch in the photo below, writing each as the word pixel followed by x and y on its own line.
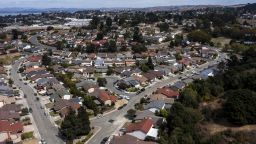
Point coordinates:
pixel 220 41
pixel 120 103
pixel 213 128
pixel 30 141
pixel 9 58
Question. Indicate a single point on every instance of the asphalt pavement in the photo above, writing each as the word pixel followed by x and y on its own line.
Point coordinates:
pixel 106 128
pixel 47 131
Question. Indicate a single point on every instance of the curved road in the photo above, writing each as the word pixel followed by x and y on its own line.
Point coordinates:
pixel 107 128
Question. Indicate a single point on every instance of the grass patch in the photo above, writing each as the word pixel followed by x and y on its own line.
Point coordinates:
pixel 49 105
pixel 9 58
pixel 132 89
pixel 27 135
pixel 87 137
pixel 58 122
pixel 220 41
pixel 53 114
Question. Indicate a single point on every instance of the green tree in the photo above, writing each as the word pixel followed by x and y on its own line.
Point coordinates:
pixel 90 48
pixel 110 71
pixel 109 22
pixel 49 28
pixel 10 82
pixel 189 98
pixel 240 106
pixel 199 36
pixel 75 125
pixel 3 36
pixel 99 36
pixel 90 104
pixel 131 113
pixel 15 34
pixel 112 46
pixel 137 36
pixel 102 82
pixel 144 68
pixel 46 60
pixel 94 22
pixel 150 63
pixel 163 27
pixel 138 48
pixel 60 45
pixel 178 56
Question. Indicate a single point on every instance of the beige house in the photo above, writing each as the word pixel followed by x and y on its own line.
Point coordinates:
pixel 6 100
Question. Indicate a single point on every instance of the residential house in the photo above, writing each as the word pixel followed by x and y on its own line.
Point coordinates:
pixel 156 97
pixel 130 62
pixel 87 63
pixel 178 85
pixel 10 128
pixel 63 106
pixel 119 63
pixel 168 92
pixel 61 91
pixel 10 112
pixel 141 79
pixel 34 58
pixel 99 62
pixel 142 129
pixel 128 139
pixel 106 98
pixel 147 114
pixel 6 100
pixel 155 105
pixel 88 72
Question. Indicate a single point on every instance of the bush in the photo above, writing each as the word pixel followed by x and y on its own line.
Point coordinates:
pixel 24 111
pixel 27 135
pixel 199 36
pixel 240 106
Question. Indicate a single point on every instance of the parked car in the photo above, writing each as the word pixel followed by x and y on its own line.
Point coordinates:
pixel 104 140
pixel 111 120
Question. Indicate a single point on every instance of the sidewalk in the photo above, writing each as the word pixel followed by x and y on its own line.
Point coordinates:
pixel 36 131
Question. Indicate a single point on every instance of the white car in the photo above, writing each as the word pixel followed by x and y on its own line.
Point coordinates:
pixel 127 97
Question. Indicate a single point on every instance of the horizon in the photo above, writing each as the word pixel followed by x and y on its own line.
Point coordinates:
pixel 97 4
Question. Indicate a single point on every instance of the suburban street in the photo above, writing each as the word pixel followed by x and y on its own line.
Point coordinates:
pixel 34 41
pixel 107 128
pixel 47 131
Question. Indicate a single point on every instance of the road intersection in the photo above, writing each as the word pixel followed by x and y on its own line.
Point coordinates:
pixel 106 128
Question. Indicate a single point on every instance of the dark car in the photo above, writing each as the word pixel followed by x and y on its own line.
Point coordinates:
pixel 119 108
pixel 104 140
pixel 111 121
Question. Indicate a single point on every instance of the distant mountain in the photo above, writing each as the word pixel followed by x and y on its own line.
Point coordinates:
pixel 34 10
pixel 250 7
pixel 18 10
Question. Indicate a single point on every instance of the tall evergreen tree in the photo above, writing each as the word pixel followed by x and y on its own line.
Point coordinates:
pixel 150 63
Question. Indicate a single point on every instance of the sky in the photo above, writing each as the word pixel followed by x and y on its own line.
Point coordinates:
pixel 112 3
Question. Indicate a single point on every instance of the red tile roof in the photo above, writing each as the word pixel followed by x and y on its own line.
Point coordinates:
pixel 144 126
pixel 33 69
pixel 6 126
pixel 34 58
pixel 168 92
pixel 104 96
